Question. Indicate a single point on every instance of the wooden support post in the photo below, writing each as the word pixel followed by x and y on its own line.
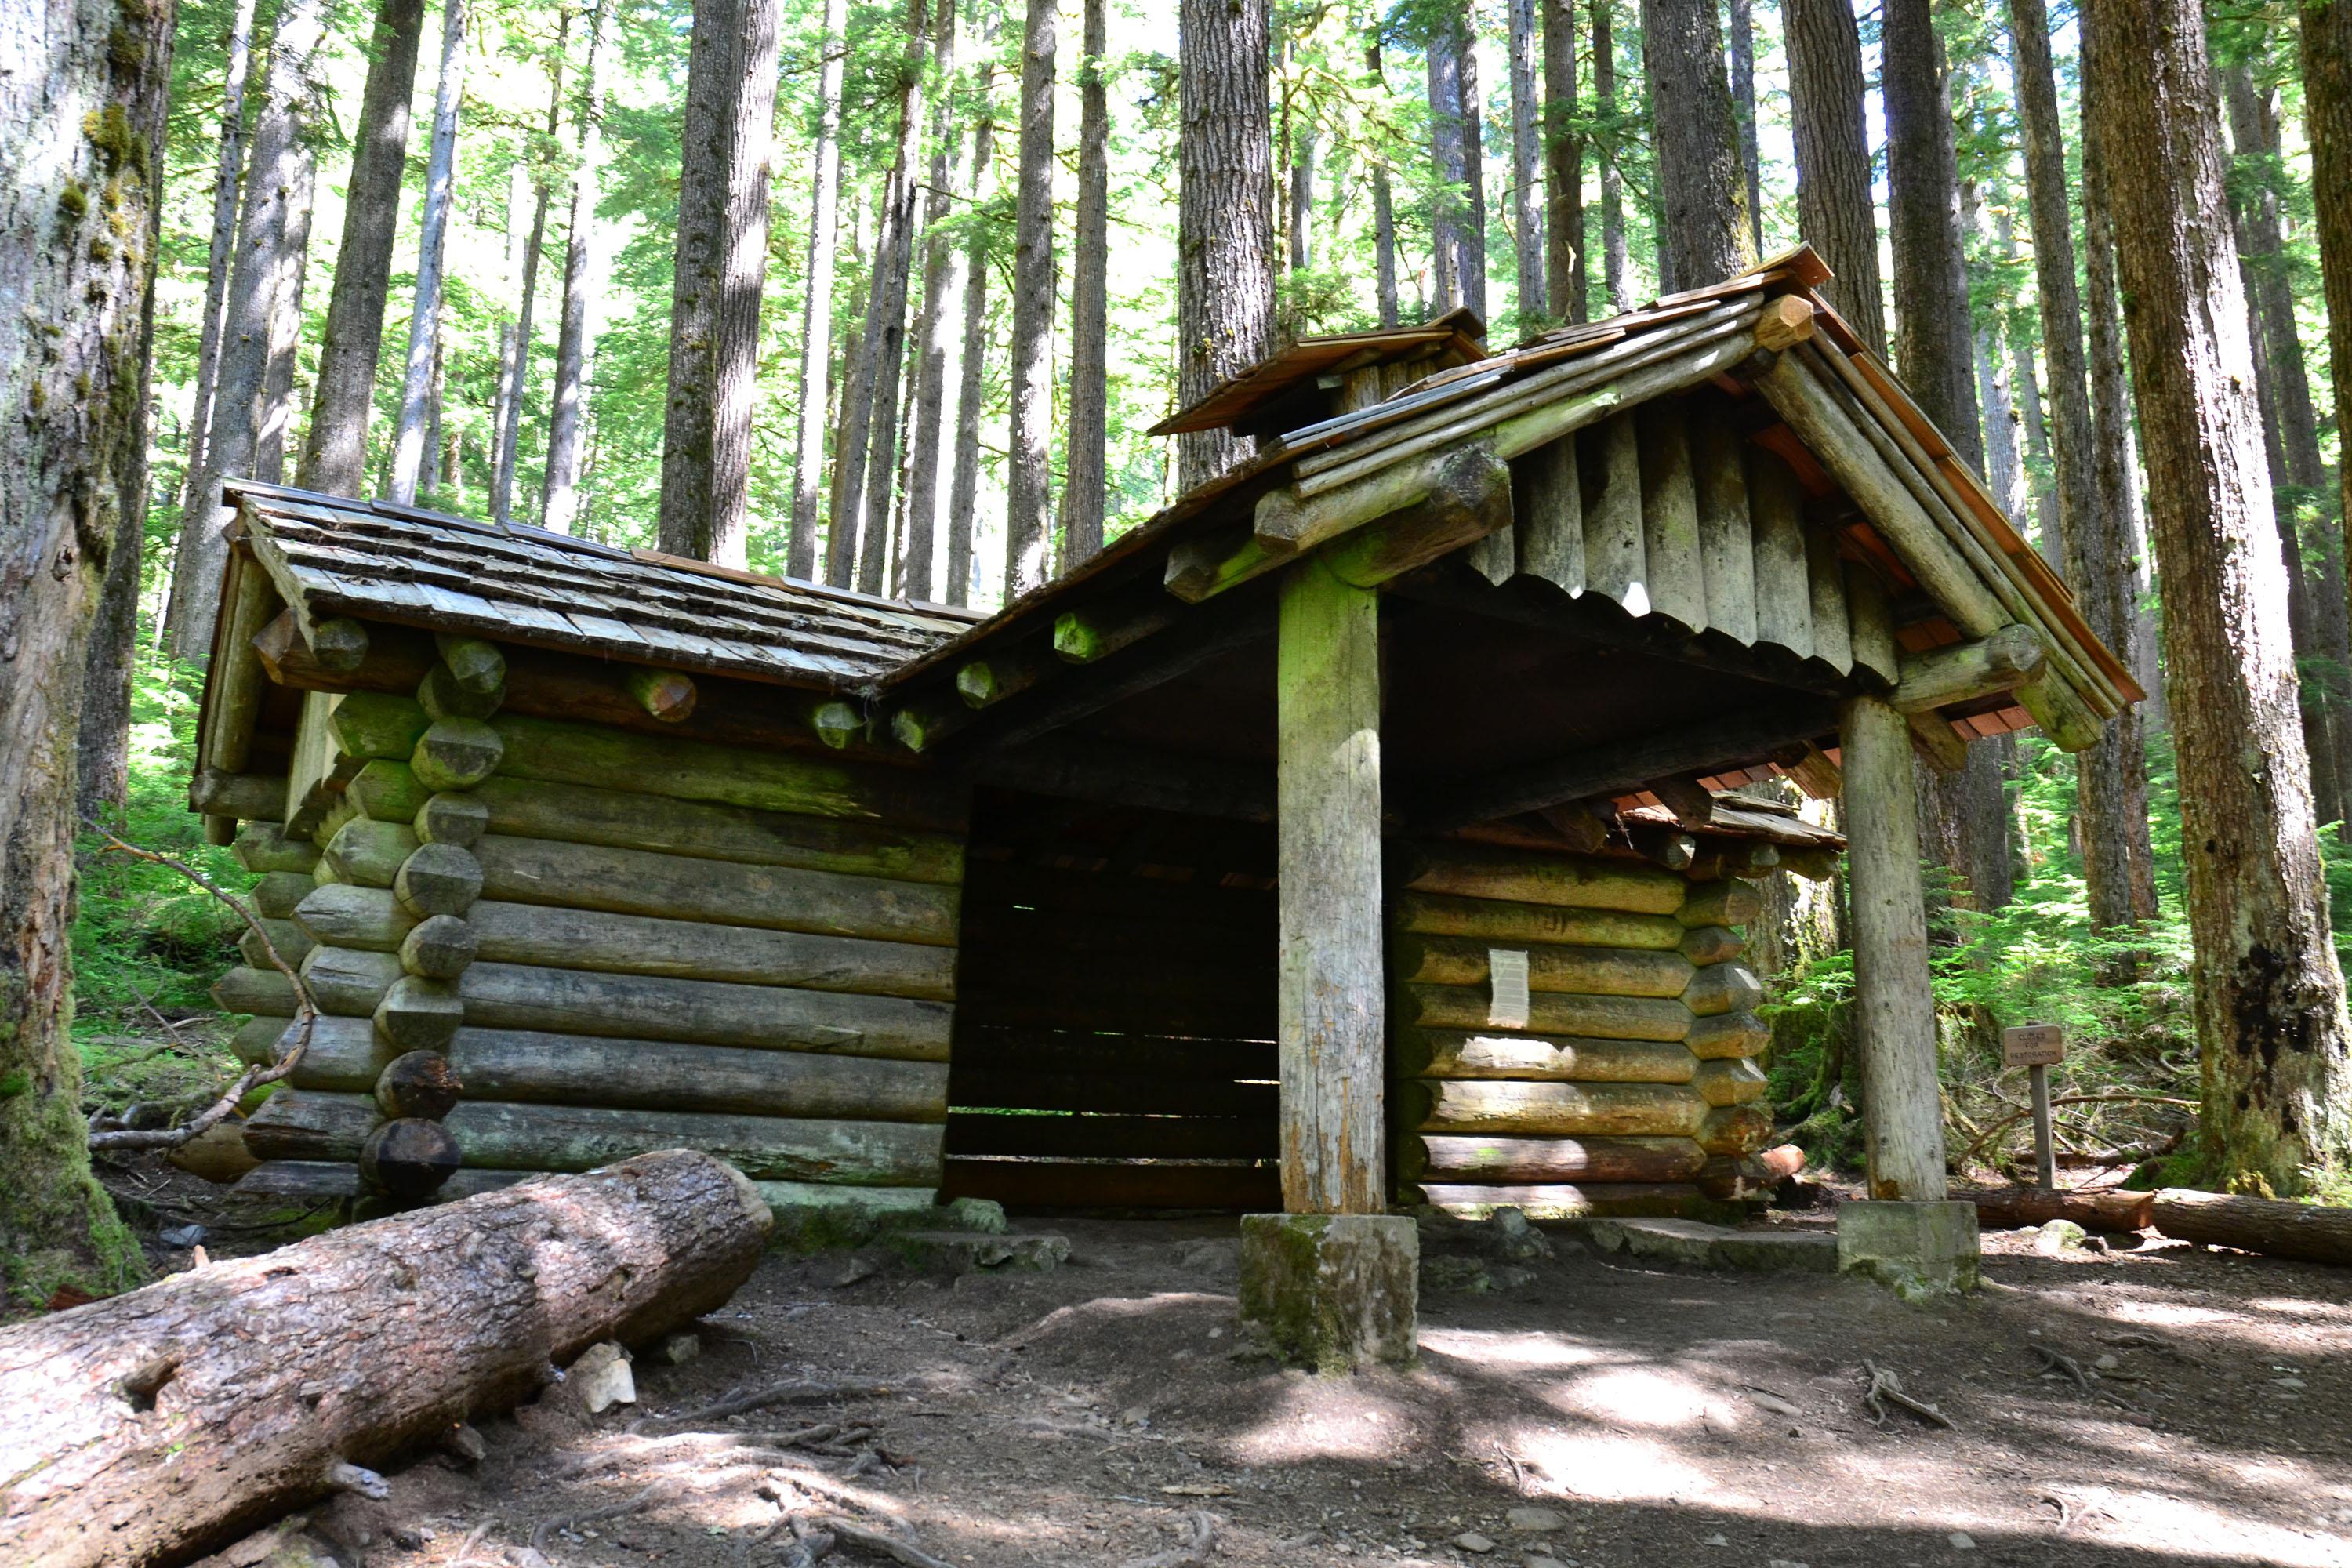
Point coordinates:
pixel 1894 1009
pixel 2045 1157
pixel 1332 1022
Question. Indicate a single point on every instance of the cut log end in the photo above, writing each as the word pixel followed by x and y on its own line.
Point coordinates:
pixel 409 1157
pixel 419 1084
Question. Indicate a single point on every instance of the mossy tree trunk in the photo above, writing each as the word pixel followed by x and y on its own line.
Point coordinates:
pixel 83 129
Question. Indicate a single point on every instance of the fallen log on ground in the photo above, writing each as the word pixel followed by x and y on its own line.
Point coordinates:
pixel 154 1426
pixel 2313 1233
pixel 2013 1208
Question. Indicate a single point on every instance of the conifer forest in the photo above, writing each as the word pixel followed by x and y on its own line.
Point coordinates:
pixel 723 687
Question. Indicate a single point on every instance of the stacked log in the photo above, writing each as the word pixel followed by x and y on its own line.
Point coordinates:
pixel 1618 1081
pixel 541 946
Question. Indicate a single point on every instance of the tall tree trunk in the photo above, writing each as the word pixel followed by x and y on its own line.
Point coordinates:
pixel 229 169
pixel 2327 59
pixel 559 493
pixel 1458 210
pixel 1299 145
pixel 2022 377
pixel 1224 272
pixel 1564 276
pixel 1835 210
pixel 1616 275
pixel 408 453
pixel 1028 492
pixel 2272 1029
pixel 1083 475
pixel 1384 241
pixel 275 424
pixel 334 450
pixel 1741 15
pixel 83 115
pixel 972 364
pixel 290 104
pixel 1527 225
pixel 816 302
pixel 510 432
pixel 2115 475
pixel 887 315
pixel 927 407
pixel 1703 188
pixel 721 260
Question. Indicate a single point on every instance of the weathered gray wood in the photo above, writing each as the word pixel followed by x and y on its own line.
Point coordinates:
pixel 1963 672
pixel 1725 1034
pixel 663 1074
pixel 1549 525
pixel 238 685
pixel 1517 876
pixel 668 695
pixel 500 1134
pixel 287 937
pixel 1331 1022
pixel 386 791
pixel 636 881
pixel 438 880
pixel 1603 970
pixel 1825 585
pixel 1670 543
pixel 693 950
pixel 277 893
pixel 1730 1081
pixel 344 914
pixel 249 796
pixel 703 1011
pixel 1551 1109
pixel 257 991
pixel 442 696
pixel 345 1056
pixel 263 846
pixel 255 1041
pixel 1723 988
pixel 348 982
pixel 439 949
pixel 1871 621
pixel 1720 904
pixel 1784 595
pixel 457 754
pixel 1502 924
pixel 419 1014
pixel 1481 1054
pixel 477 665
pixel 1726 535
pixel 1469 500
pixel 311 1125
pixel 452 817
pixel 557 752
pixel 369 853
pixel 374 724
pixel 1561 1200
pixel 1615 564
pixel 1549 1013
pixel 1712 944
pixel 1893 1006
pixel 620 819
pixel 1452 1157
pixel 1941 749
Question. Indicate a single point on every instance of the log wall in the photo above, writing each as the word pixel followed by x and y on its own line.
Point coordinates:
pixel 545 946
pixel 1609 1072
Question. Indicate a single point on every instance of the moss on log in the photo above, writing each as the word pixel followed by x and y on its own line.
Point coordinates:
pixel 258 991
pixel 1598 970
pixel 350 982
pixel 662 1075
pixel 287 937
pixel 1727 1035
pixel 625 819
pixel 375 724
pixel 1549 1013
pixel 676 887
pixel 1470 871
pixel 369 853
pixel 457 754
pixel 690 949
pixel 387 791
pixel 1730 1081
pixel 452 817
pixel 1452 1157
pixel 439 949
pixel 499 1134
pixel 443 696
pixel 668 695
pixel 1723 988
pixel 696 770
pixel 477 665
pixel 1551 1109
pixel 1729 902
pixel 344 914
pixel 438 880
pixel 1474 1054
pixel 1712 944
pixel 278 894
pixel 1492 921
pixel 704 1012
pixel 1736 1129
pixel 263 846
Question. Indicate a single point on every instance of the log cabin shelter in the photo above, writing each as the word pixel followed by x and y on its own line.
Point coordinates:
pixel 1358 833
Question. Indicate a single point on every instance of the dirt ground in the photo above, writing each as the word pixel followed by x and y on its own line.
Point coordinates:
pixel 1093 1414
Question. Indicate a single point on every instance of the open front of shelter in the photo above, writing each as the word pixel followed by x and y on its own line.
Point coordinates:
pixel 1357 835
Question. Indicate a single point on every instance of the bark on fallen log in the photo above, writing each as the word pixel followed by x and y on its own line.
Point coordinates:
pixel 2013 1208
pixel 158 1424
pixel 2313 1234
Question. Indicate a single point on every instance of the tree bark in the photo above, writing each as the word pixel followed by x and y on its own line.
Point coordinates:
pixel 1083 476
pixel 558 494
pixel 507 437
pixel 409 457
pixel 227 172
pixel 886 317
pixel 1384 242
pixel 2326 58
pixel 1741 17
pixel 2269 995
pixel 275 424
pixel 1029 502
pixel 1457 220
pixel 1564 280
pixel 81 128
pixel 334 450
pixel 926 450
pixel 1835 211
pixel 249 1387
pixel 1527 225
pixel 1703 189
pixel 290 104
pixel 1224 289
pixel 1615 276
pixel 971 367
pixel 816 303
pixel 721 260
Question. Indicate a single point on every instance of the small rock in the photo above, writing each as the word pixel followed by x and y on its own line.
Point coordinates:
pixel 1471 1540
pixel 857 1268
pixel 2287 1382
pixel 1785 1562
pixel 182 1235
pixel 1135 1415
pixel 2109 1362
pixel 676 1349
pixel 2058 1238
pixel 985 1215
pixel 601 1378
pixel 1545 1562
pixel 1772 1404
pixel 463 1443
pixel 1962 1541
pixel 1718 1539
pixel 1536 1520
pixel 1516 1238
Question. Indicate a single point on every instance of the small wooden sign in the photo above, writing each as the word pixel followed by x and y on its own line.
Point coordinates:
pixel 1507 969
pixel 2033 1046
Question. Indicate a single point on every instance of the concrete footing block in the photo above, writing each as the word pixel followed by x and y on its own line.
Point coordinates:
pixel 1919 1250
pixel 1332 1291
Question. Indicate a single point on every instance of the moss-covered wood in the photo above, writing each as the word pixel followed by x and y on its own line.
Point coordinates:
pixel 664 1075
pixel 1723 988
pixel 1481 1054
pixel 1726 1035
pixel 344 915
pixel 691 950
pixel 1608 970
pixel 349 982
pixel 451 816
pixel 386 791
pixel 263 846
pixel 438 880
pixel 287 937
pixel 369 853
pixel 1472 871
pixel 1549 1013
pixel 457 754
pixel 705 1012
pixel 1501 922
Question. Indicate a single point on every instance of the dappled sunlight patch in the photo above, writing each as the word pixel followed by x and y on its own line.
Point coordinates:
pixel 1618 1467
pixel 1488 1348
pixel 1656 1397
pixel 1327 1419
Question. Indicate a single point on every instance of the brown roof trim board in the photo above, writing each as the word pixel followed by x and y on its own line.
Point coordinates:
pixel 1236 398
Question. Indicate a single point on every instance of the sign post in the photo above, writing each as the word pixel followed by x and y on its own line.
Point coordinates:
pixel 2037 1047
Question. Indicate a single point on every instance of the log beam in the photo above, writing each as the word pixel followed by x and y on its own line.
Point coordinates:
pixel 1966 671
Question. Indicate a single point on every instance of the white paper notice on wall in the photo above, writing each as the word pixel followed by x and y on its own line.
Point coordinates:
pixel 1506 969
